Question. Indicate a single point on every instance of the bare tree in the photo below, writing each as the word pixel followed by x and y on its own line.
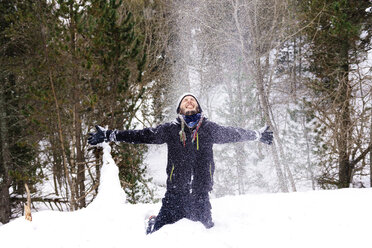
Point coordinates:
pixel 224 31
pixel 259 33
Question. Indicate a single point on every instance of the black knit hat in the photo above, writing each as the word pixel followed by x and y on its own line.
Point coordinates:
pixel 183 96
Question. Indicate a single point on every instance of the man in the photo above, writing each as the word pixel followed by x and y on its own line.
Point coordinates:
pixel 190 164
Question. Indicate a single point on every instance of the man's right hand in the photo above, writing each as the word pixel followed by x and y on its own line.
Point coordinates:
pixel 98 137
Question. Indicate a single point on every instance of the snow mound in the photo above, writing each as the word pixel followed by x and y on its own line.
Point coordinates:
pixel 110 192
pixel 339 218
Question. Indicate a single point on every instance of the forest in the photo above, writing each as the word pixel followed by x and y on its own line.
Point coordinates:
pixel 302 67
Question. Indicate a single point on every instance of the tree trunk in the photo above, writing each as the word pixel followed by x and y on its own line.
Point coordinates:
pixel 5 210
pixel 4 203
pixel 345 170
pixel 239 147
pixel 308 152
pixel 265 107
pixel 256 70
pixel 69 180
pixel 241 174
pixel 79 159
pixel 345 127
pixel 370 153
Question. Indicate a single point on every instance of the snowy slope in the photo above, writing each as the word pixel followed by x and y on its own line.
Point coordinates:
pixel 309 219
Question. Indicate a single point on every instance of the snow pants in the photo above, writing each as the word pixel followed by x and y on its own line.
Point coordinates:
pixel 176 206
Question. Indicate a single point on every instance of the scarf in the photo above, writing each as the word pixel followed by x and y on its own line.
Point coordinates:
pixel 191 121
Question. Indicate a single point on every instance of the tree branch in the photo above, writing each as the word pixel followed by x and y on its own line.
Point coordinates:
pixel 361 156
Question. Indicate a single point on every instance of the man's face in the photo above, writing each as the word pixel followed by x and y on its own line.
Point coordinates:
pixel 189 106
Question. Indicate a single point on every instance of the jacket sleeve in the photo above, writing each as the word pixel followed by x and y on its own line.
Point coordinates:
pixel 157 135
pixel 225 134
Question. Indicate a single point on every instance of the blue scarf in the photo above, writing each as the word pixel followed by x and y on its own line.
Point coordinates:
pixel 191 120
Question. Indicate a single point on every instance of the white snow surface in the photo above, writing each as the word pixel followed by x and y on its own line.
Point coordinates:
pixel 339 218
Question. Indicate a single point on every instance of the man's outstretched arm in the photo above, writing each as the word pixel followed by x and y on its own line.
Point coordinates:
pixel 144 136
pixel 226 134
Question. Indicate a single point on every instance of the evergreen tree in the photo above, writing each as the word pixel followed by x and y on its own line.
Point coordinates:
pixel 118 61
pixel 339 36
pixel 19 163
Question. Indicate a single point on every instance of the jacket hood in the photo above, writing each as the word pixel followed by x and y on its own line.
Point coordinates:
pixel 183 96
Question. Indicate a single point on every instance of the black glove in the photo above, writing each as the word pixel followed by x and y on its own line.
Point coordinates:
pixel 266 135
pixel 102 135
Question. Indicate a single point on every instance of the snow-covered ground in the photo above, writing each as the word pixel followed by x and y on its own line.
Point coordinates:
pixel 339 218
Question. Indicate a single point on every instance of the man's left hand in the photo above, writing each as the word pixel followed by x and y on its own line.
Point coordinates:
pixel 266 135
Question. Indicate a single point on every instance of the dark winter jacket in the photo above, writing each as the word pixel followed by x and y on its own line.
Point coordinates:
pixel 190 164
